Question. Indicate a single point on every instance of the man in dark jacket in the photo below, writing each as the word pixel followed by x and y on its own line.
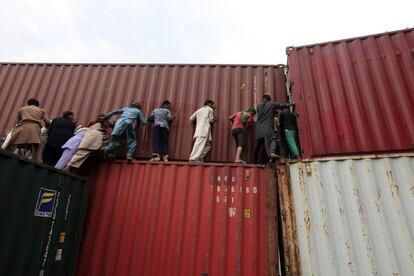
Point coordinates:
pixel 265 132
pixel 60 130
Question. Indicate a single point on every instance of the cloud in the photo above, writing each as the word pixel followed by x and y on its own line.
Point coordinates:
pixel 184 31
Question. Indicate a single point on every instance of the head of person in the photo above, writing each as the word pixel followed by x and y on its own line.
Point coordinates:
pixel 69 114
pixel 166 104
pixel 136 104
pixel 33 101
pixel 100 119
pixel 209 103
pixel 251 110
pixel 266 97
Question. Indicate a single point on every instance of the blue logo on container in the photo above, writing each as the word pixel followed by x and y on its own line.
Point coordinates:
pixel 45 203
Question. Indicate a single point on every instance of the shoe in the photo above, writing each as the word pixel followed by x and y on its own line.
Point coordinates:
pixel 274 156
pixel 108 155
pixel 240 162
pixel 129 158
pixel 165 158
pixel 155 157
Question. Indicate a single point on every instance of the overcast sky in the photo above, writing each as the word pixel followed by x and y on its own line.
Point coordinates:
pixel 185 31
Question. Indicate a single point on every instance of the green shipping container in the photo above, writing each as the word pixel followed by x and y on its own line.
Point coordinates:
pixel 42 211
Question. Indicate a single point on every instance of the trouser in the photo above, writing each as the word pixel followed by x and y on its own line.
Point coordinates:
pixel 34 150
pixel 291 141
pixel 201 147
pixel 159 139
pixel 239 135
pixel 271 142
pixel 51 155
pixel 115 141
pixel 80 156
pixel 65 158
pixel 6 141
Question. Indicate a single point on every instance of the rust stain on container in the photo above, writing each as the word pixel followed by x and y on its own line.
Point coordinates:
pixel 92 89
pixel 355 95
pixel 290 246
pixel 180 219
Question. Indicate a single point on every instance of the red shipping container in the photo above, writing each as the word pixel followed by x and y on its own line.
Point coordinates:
pixel 92 89
pixel 355 95
pixel 180 219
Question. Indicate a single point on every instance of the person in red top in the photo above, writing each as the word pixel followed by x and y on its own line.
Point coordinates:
pixel 241 121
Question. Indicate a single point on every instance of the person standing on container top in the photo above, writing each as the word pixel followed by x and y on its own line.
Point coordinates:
pixel 241 121
pixel 160 131
pixel 125 125
pixel 30 120
pixel 60 131
pixel 203 118
pixel 265 132
pixel 288 126
pixel 281 144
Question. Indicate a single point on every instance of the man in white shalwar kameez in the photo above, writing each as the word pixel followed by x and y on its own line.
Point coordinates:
pixel 202 135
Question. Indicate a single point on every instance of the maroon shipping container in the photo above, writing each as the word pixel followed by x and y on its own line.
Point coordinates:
pixel 180 219
pixel 92 89
pixel 355 95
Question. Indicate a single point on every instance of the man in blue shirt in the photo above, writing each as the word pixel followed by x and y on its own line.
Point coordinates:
pixel 124 125
pixel 160 131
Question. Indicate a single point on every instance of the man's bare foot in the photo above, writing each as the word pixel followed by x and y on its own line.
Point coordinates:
pixel 274 156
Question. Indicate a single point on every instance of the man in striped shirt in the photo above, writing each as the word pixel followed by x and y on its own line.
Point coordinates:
pixel 161 131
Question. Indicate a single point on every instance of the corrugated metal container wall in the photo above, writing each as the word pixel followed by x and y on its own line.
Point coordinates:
pixel 89 90
pixel 42 212
pixel 354 216
pixel 356 95
pixel 181 219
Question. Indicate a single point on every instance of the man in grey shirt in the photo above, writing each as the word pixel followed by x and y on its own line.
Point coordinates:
pixel 265 132
pixel 161 131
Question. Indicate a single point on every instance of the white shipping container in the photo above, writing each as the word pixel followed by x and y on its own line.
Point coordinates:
pixel 354 216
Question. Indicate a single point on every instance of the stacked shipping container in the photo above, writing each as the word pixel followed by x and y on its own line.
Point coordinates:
pixel 92 89
pixel 42 211
pixel 341 215
pixel 350 214
pixel 181 219
pixel 153 219
pixel 355 96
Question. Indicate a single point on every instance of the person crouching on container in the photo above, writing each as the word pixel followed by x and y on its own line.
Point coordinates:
pixel 241 121
pixel 160 131
pixel 202 135
pixel 125 125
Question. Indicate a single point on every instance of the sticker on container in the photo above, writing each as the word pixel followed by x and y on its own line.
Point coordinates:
pixel 62 237
pixel 247 213
pixel 58 255
pixel 45 203
pixel 232 212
